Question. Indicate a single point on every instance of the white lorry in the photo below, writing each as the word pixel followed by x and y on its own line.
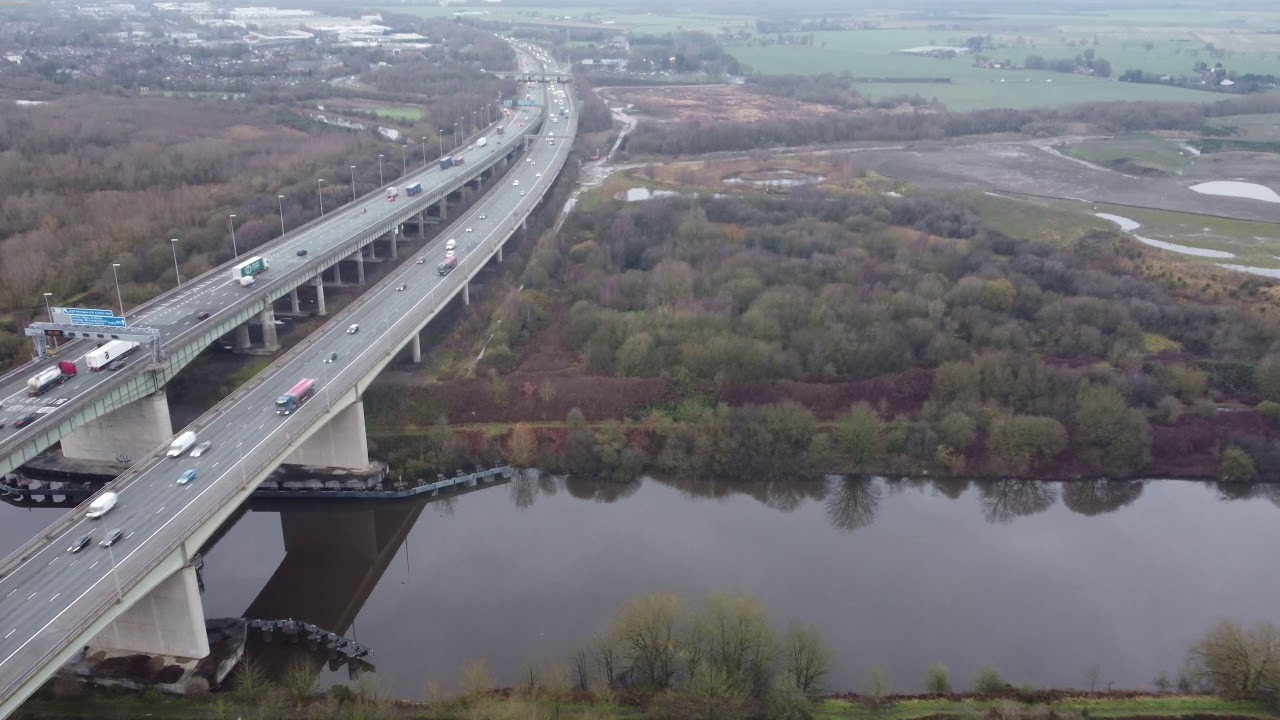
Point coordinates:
pixel 100 357
pixel 181 443
pixel 102 505
pixel 482 142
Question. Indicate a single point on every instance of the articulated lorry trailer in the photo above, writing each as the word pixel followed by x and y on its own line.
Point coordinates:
pixel 40 383
pixel 100 357
pixel 246 272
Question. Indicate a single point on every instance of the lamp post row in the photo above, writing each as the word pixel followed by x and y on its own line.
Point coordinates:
pixel 231 218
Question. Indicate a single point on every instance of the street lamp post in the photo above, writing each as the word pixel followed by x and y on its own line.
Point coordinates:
pixel 455 134
pixel 173 245
pixel 320 193
pixel 404 158
pixel 474 127
pixel 440 135
pixel 381 182
pixel 234 249
pixel 119 592
pixel 119 297
pixel 353 183
pixel 49 310
pixel 424 151
pixel 280 201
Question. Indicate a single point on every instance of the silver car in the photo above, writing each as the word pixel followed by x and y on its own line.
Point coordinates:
pixel 199 450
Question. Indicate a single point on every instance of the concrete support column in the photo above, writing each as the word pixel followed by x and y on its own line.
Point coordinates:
pixel 499 253
pixel 524 224
pixel 293 302
pixel 168 621
pixel 373 250
pixel 415 348
pixel 444 207
pixel 395 246
pixel 242 337
pixel 128 432
pixel 268 320
pixel 319 285
pixel 466 293
pixel 341 442
pixel 359 258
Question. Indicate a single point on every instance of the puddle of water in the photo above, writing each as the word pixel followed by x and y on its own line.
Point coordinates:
pixel 638 194
pixel 779 178
pixel 1129 225
pixel 1264 272
pixel 1235 188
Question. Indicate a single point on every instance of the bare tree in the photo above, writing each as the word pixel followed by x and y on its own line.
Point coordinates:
pixel 1236 661
pixel 806 658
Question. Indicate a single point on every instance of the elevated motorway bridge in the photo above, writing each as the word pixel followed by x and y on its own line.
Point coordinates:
pixel 142 594
pixel 79 413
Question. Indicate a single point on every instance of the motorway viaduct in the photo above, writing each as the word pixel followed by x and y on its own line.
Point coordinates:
pixel 146 597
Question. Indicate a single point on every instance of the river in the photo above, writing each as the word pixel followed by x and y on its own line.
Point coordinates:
pixel 1038 580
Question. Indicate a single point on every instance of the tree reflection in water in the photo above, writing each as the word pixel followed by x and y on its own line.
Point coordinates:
pixel 950 487
pixel 1004 500
pixel 603 491
pixel 1095 497
pixel 853 502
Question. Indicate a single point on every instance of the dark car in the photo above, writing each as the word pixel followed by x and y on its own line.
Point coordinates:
pixel 115 364
pixel 112 538
pixel 78 544
pixel 202 314
pixel 302 253
pixel 24 421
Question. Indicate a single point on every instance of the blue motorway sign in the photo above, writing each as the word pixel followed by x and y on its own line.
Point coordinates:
pixel 86 316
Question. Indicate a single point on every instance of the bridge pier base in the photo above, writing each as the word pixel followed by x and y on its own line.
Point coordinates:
pixel 415 348
pixel 294 307
pixel 341 442
pixel 268 320
pixel 242 338
pixel 168 621
pixel 319 285
pixel 131 431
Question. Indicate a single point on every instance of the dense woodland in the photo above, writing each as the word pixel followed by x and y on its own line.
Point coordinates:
pixel 1038 353
pixel 917 119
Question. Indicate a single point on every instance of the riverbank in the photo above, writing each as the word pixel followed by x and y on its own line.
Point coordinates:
pixel 276 703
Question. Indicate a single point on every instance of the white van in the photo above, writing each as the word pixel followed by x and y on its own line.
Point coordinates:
pixel 181 443
pixel 102 505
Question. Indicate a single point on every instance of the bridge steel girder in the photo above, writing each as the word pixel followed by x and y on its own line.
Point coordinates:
pixel 184 534
pixel 132 384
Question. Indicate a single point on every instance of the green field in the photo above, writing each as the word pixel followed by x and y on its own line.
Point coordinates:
pixel 872 53
pixel 399 114
pixel 1254 128
pixel 1140 154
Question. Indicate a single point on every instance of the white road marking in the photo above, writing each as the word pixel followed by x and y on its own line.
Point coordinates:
pixel 55 597
pixel 160 510
pixel 95 564
pixel 32 595
pixel 6 637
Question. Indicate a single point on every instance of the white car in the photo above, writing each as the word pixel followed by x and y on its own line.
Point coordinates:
pixel 538 175
pixel 353 328
pixel 469 229
pixel 450 244
pixel 521 193
pixel 484 217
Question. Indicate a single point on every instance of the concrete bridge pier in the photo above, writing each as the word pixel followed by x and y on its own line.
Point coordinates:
pixel 242 338
pixel 499 253
pixel 318 283
pixel 444 207
pixel 168 621
pixel 341 442
pixel 395 245
pixel 415 348
pixel 268 319
pixel 466 295
pixel 294 307
pixel 358 256
pixel 131 431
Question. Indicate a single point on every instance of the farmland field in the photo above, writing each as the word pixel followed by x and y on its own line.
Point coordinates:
pixel 1162 43
pixel 608 22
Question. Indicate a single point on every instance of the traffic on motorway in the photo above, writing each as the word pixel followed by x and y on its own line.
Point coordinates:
pixel 44 600
pixel 195 301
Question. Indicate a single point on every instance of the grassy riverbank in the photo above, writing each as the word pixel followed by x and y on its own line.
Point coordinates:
pixel 905 708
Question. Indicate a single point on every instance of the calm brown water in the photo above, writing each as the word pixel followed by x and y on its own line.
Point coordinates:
pixel 1039 580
